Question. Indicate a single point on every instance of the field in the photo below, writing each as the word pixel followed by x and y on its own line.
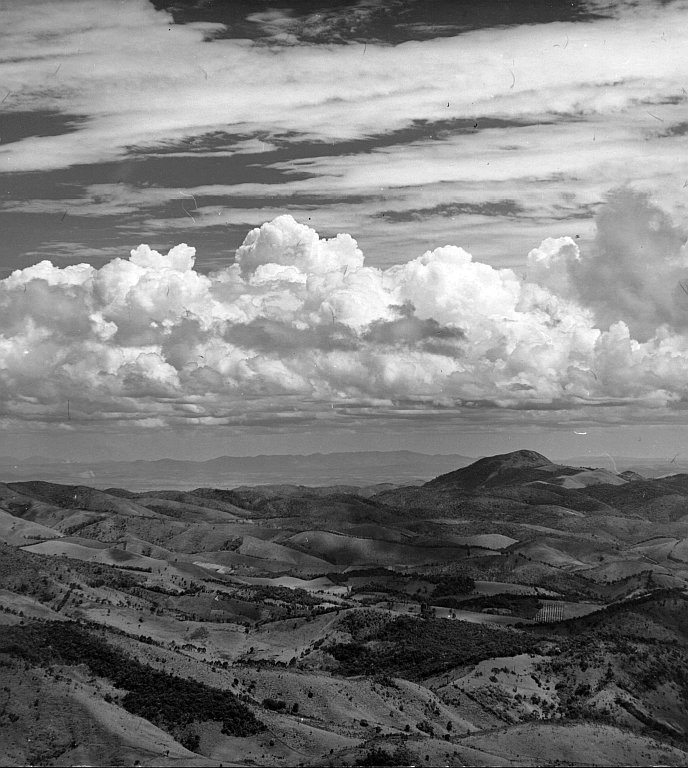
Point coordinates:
pixel 511 612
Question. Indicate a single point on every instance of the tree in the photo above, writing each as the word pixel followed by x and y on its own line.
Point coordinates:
pixel 191 741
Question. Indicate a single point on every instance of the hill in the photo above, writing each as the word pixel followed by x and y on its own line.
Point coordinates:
pixel 494 470
pixel 506 612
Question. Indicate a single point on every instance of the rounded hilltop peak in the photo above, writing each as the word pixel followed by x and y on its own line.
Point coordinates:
pixel 522 458
pixel 503 469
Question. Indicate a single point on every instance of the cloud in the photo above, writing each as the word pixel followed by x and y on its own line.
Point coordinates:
pixel 637 270
pixel 530 113
pixel 300 325
pixel 136 79
pixel 278 243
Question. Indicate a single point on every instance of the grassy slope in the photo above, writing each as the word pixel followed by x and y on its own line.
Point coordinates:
pixel 572 540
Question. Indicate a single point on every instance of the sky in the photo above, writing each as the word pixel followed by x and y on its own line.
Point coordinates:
pixel 270 227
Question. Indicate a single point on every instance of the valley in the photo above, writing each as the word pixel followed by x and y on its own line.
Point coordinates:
pixel 513 611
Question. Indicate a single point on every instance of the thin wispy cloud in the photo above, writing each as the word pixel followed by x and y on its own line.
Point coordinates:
pixel 149 81
pixel 582 107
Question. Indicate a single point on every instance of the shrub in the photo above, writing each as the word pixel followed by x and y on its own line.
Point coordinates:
pixel 276 705
pixel 378 756
pixel 425 726
pixel 191 741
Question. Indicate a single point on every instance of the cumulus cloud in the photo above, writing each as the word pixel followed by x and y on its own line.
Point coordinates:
pixel 637 269
pixel 298 324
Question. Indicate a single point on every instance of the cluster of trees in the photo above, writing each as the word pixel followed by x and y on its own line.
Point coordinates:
pixel 262 592
pixel 415 648
pixel 276 705
pixel 525 606
pixel 364 624
pixel 164 699
pixel 376 756
pixel 460 584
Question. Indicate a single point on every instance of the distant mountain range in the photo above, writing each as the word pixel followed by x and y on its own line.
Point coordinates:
pixel 648 467
pixel 356 468
pixel 318 469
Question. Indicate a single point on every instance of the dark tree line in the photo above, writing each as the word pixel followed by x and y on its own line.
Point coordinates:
pixel 160 697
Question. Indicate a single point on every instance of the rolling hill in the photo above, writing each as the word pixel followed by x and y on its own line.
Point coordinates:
pixel 506 612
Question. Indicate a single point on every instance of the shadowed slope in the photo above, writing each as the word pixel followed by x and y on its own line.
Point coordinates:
pixel 503 469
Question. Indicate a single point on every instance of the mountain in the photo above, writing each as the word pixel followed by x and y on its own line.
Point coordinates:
pixel 515 611
pixel 351 468
pixel 504 469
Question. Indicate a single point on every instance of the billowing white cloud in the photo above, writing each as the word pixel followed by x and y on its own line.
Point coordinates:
pixel 299 324
pixel 637 271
